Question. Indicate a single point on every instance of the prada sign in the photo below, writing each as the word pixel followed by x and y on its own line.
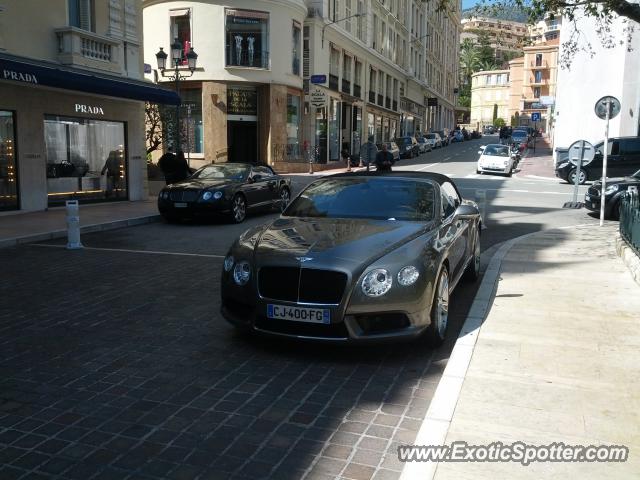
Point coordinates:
pixel 80 108
pixel 19 76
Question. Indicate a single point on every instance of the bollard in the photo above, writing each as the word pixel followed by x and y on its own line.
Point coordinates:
pixel 73 225
pixel 481 200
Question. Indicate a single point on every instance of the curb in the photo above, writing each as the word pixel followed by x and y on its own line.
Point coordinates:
pixel 96 227
pixel 435 425
pixel 629 257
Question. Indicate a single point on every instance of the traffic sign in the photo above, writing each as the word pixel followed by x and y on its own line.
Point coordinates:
pixel 535 117
pixel 318 98
pixel 319 79
pixel 601 107
pixel 581 152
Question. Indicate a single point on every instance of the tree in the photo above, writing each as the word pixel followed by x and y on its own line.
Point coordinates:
pixel 159 125
pixel 499 122
pixel 495 112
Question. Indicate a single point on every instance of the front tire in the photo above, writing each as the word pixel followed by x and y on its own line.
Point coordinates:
pixel 439 315
pixel 472 272
pixel 571 178
pixel 238 209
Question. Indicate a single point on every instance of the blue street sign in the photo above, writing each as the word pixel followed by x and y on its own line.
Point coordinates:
pixel 318 79
pixel 535 117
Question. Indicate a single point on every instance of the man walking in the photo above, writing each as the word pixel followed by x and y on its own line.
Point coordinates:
pixel 368 153
pixel 384 159
pixel 168 163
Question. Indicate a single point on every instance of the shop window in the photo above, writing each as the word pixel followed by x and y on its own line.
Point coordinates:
pixel 82 14
pixel 86 159
pixel 191 121
pixel 293 125
pixel 334 127
pixel 181 30
pixel 247 38
pixel 8 166
pixel 295 56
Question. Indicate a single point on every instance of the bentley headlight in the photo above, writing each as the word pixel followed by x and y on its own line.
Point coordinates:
pixel 207 195
pixel 217 195
pixel 377 282
pixel 228 263
pixel 562 165
pixel 408 275
pixel 611 189
pixel 164 195
pixel 241 273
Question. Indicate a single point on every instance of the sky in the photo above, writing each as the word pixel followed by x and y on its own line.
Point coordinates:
pixel 468 3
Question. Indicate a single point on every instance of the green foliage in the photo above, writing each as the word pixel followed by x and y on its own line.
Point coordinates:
pixel 495 112
pixel 499 122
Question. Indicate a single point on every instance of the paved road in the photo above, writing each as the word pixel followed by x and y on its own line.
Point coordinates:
pixel 116 364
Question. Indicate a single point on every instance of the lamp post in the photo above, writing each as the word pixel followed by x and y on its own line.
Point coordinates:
pixel 175 75
pixel 361 14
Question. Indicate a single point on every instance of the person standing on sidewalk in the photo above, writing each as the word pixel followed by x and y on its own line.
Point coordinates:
pixel 368 153
pixel 168 163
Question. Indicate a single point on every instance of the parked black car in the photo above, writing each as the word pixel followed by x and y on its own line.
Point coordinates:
pixel 356 257
pixel 408 146
pixel 623 159
pixel 227 188
pixel 616 189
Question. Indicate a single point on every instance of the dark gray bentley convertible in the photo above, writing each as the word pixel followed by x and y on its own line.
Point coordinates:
pixel 356 257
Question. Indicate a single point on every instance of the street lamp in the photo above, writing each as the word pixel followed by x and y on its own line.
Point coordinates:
pixel 175 75
pixel 361 14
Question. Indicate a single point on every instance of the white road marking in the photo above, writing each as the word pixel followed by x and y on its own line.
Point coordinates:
pixel 124 250
pixel 427 166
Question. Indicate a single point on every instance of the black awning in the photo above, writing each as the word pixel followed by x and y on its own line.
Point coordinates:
pixel 51 75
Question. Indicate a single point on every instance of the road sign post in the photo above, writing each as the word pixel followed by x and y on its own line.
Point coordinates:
pixel 606 108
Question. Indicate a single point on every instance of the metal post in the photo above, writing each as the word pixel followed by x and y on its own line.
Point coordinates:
pixel 73 225
pixel 188 136
pixel 577 179
pixel 178 146
pixel 604 162
pixel 535 134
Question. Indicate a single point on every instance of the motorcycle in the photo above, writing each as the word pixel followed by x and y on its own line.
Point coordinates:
pixel 516 153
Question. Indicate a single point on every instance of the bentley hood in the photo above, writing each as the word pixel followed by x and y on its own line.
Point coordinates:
pixel 330 241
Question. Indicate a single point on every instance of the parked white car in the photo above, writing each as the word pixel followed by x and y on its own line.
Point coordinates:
pixel 433 139
pixel 495 158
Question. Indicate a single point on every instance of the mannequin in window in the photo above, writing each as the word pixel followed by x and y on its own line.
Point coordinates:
pixel 238 39
pixel 251 40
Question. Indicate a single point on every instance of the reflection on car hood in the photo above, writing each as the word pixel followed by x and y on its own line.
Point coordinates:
pixel 626 180
pixel 200 183
pixel 493 158
pixel 349 242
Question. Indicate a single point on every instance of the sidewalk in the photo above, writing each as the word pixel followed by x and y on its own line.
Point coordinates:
pixel 540 162
pixel 22 227
pixel 555 360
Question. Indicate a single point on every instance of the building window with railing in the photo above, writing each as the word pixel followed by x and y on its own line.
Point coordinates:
pixel 348 7
pixel 538 59
pixel 381 89
pixel 247 38
pixel 536 92
pixel 295 54
pixel 82 14
pixel 346 74
pixel 538 76
pixel 372 85
pixel 360 32
pixel 334 68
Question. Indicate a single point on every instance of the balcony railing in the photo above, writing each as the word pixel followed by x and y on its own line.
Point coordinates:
pixel 346 86
pixel 357 91
pixel 630 220
pixel 387 103
pixel 395 106
pixel 372 97
pixel 541 64
pixel 380 100
pixel 247 59
pixel 333 82
pixel 84 48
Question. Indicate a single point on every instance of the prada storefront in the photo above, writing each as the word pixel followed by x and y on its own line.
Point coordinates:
pixel 67 134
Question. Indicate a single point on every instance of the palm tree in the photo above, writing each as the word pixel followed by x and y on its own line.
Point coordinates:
pixel 469 62
pixel 487 65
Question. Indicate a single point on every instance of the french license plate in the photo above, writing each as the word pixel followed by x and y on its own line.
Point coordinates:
pixel 180 205
pixel 299 314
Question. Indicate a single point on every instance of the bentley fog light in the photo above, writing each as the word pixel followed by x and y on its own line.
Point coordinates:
pixel 241 273
pixel 377 282
pixel 217 195
pixel 408 275
pixel 207 195
pixel 228 263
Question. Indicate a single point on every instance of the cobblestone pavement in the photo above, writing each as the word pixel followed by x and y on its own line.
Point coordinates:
pixel 117 365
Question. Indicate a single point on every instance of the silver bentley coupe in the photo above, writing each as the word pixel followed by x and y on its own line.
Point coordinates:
pixel 356 257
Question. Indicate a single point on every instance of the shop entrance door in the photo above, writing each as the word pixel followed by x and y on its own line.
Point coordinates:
pixel 242 141
pixel 8 166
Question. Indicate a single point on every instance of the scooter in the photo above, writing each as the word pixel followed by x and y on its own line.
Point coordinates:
pixel 515 154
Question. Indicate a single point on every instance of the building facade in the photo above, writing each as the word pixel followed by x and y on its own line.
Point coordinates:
pixel 609 71
pixel 538 89
pixel 505 37
pixel 490 96
pixel 244 102
pixel 545 30
pixel 72 103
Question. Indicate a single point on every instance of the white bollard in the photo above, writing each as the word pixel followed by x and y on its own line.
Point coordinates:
pixel 73 225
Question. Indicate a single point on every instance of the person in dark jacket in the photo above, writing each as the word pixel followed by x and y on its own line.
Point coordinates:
pixel 384 159
pixel 173 169
pixel 111 169
pixel 182 167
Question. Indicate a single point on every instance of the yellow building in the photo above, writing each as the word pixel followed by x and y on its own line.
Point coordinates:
pixel 489 97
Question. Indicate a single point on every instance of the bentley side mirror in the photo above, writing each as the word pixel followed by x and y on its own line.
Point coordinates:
pixel 257 177
pixel 467 211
